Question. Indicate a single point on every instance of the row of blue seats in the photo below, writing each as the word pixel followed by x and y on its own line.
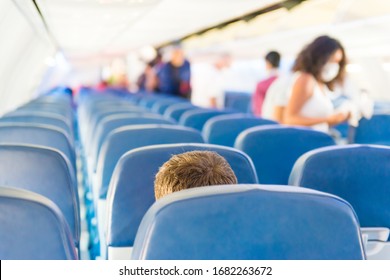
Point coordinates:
pixel 368 132
pixel 249 222
pixel 130 196
pixel 116 224
pixel 274 130
pixel 241 101
pixel 214 130
pixel 340 223
pixel 40 209
pixel 109 127
pixel 107 114
pixel 222 130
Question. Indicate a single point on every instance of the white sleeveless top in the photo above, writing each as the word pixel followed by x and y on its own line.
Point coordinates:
pixel 319 105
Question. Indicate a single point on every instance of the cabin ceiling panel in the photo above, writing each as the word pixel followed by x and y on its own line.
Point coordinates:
pixel 361 25
pixel 367 8
pixel 95 27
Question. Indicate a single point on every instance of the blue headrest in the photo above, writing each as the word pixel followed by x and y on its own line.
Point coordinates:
pixel 130 196
pixel 381 107
pixel 103 106
pixel 65 112
pixel 32 228
pixel 147 102
pixel 373 131
pixel 223 130
pixel 41 135
pixel 44 171
pixel 41 114
pixel 56 95
pixel 106 107
pixel 110 123
pixel 239 101
pixel 274 149
pixel 249 222
pixel 97 116
pixel 42 104
pixel 93 119
pixel 31 119
pixel 175 111
pixel 161 106
pixel 101 109
pixel 126 138
pixel 359 174
pixel 196 118
pixel 28 111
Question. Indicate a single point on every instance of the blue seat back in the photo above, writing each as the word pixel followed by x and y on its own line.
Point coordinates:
pixel 32 228
pixel 223 130
pixel 37 119
pixel 97 116
pixel 96 106
pixel 343 129
pixel 149 102
pixel 161 106
pixel 64 111
pixel 89 112
pixel 126 138
pixel 249 222
pixel 175 111
pixel 65 106
pixel 198 117
pixel 41 135
pixel 26 114
pixel 46 172
pixel 382 107
pixel 239 101
pixel 29 112
pixel 359 174
pixel 57 95
pixel 131 196
pixel 111 123
pixel 274 149
pixel 373 131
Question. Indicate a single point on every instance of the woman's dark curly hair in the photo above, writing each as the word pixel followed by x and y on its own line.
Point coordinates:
pixel 314 56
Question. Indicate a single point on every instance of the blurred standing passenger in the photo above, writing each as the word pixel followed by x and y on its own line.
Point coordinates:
pixel 156 64
pixel 317 69
pixel 277 98
pixel 147 82
pixel 209 83
pixel 174 76
pixel 272 61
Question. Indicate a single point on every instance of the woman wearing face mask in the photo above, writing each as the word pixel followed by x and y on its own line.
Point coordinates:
pixel 318 67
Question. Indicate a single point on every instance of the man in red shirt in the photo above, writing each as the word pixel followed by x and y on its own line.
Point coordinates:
pixel 272 61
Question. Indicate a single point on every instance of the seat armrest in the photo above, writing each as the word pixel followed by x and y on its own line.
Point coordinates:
pixel 375 233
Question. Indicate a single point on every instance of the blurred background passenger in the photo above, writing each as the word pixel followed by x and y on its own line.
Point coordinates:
pixel 174 76
pixel 272 62
pixel 102 85
pixel 121 81
pixel 210 81
pixel 317 69
pixel 277 98
pixel 157 66
pixel 147 82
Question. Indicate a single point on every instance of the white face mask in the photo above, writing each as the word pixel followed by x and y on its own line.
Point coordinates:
pixel 330 71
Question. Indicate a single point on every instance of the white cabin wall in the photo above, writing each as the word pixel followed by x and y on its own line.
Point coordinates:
pixel 22 54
